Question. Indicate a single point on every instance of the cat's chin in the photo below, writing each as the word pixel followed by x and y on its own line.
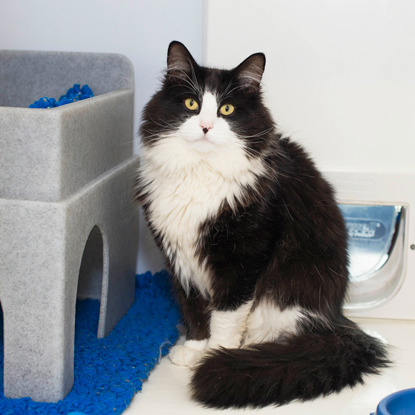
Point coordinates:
pixel 204 145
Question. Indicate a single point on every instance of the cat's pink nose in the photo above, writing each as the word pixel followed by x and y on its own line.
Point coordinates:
pixel 206 127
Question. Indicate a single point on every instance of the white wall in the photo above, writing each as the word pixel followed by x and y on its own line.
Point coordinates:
pixel 340 74
pixel 139 29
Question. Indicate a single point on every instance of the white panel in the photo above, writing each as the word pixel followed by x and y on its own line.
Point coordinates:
pixel 340 74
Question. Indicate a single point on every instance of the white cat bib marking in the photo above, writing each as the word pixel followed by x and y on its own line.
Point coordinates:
pixel 187 184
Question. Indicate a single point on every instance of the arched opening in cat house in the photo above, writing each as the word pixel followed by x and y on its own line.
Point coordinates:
pixel 93 272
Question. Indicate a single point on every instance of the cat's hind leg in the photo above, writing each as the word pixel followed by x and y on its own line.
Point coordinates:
pixel 267 322
pixel 227 329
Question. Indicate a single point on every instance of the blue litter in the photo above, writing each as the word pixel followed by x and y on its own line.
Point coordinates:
pixel 76 93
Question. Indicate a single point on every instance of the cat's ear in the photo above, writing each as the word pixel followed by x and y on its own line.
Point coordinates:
pixel 250 71
pixel 180 63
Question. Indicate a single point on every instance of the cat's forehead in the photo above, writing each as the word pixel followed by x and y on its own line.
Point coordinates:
pixel 215 81
pixel 214 77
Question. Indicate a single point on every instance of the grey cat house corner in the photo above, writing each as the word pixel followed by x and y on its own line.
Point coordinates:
pixel 68 221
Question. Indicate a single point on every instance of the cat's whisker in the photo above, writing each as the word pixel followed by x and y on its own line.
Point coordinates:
pixel 229 93
pixel 194 77
pixel 191 82
pixel 260 134
pixel 226 92
pixel 164 124
pixel 189 90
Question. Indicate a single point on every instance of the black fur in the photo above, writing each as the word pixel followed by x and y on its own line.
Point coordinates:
pixel 315 363
pixel 286 242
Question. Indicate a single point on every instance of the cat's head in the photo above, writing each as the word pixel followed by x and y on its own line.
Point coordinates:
pixel 209 111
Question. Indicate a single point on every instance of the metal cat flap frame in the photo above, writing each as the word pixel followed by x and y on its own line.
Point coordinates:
pixel 376 250
pixel 385 289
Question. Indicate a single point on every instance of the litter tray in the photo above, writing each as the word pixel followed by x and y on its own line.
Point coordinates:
pixel 68 223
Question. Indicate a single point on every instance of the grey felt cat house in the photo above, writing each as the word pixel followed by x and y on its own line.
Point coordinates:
pixel 68 223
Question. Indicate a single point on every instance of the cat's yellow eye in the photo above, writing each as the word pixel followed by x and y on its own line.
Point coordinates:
pixel 227 109
pixel 191 104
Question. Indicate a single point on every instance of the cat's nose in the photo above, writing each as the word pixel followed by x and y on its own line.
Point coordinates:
pixel 206 127
pixel 206 121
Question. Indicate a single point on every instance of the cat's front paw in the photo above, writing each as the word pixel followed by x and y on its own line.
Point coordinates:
pixel 187 354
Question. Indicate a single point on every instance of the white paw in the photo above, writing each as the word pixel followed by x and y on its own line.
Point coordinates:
pixel 187 354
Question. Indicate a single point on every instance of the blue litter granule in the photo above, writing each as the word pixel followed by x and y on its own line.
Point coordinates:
pixel 76 93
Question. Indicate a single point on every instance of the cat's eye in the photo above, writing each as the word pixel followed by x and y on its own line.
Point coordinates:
pixel 227 109
pixel 191 104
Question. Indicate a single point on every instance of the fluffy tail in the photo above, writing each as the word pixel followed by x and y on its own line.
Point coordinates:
pixel 301 367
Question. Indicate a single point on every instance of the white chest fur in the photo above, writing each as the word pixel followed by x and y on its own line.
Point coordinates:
pixel 181 203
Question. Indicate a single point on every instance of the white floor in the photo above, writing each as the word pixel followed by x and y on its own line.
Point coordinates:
pixel 166 392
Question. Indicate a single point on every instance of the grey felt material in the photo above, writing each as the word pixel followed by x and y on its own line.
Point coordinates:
pixel 29 75
pixel 68 223
pixel 58 148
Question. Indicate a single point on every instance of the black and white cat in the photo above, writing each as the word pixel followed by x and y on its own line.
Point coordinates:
pixel 254 239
